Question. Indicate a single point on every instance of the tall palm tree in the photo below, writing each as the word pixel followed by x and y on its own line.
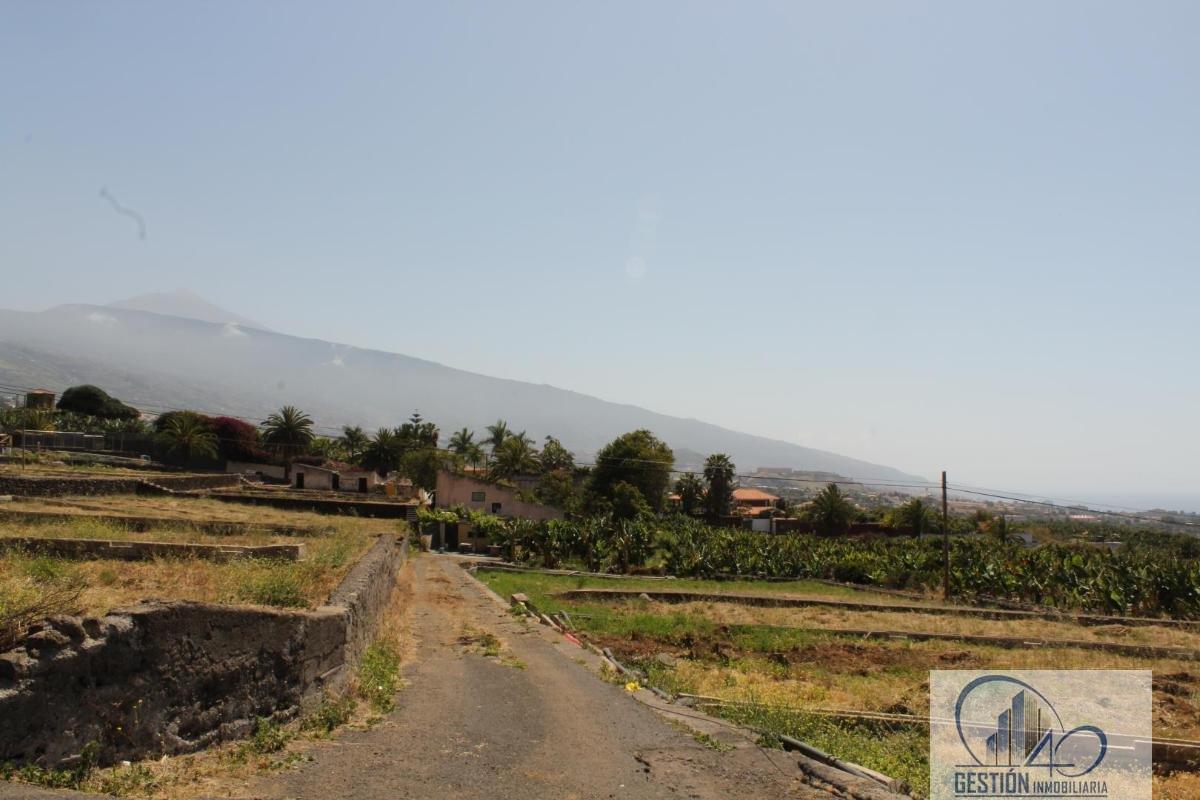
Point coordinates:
pixel 718 473
pixel 690 490
pixel 190 436
pixel 354 439
pixel 497 434
pixel 830 510
pixel 474 454
pixel 289 429
pixel 516 456
pixel 461 441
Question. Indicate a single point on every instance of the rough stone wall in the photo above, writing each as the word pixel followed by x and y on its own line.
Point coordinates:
pixel 54 487
pixel 144 551
pixel 175 677
pixel 296 502
pixel 48 486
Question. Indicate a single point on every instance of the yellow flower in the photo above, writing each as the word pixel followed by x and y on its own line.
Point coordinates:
pixel 632 686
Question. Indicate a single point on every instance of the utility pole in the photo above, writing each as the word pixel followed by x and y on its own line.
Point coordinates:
pixel 945 541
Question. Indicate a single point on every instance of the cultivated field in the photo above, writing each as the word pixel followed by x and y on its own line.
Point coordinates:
pixel 784 669
pixel 35 584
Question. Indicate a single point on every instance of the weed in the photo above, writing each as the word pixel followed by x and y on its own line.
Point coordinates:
pixel 330 715
pixel 135 779
pixel 711 743
pixel 268 737
pixel 274 585
pixel 379 674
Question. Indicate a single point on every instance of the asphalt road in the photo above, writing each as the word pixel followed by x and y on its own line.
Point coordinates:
pixel 470 726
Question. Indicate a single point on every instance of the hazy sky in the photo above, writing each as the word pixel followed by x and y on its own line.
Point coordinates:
pixel 932 235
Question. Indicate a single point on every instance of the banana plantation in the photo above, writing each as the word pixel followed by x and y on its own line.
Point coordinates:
pixel 1146 577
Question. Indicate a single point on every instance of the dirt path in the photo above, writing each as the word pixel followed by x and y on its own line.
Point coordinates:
pixel 470 726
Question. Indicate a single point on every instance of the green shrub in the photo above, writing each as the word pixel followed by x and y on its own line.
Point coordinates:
pixel 268 737
pixel 379 675
pixel 330 715
pixel 273 585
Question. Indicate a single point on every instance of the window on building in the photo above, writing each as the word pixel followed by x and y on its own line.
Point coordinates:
pixel 495 508
pixel 477 497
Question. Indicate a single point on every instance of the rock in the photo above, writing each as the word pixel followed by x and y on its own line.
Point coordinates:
pixel 644 596
pixel 48 639
pixel 70 626
pixel 666 659
pixel 520 597
pixel 14 665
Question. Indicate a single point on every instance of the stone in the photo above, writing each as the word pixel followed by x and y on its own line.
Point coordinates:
pixel 644 596
pixel 666 659
pixel 48 639
pixel 520 597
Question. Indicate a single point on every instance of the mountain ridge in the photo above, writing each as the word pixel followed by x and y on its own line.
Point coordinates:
pixel 170 361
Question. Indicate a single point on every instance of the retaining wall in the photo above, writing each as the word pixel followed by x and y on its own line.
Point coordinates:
pixel 144 551
pixel 175 677
pixel 56 486
pixel 142 524
pixel 296 502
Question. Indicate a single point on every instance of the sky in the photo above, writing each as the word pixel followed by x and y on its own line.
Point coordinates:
pixel 955 236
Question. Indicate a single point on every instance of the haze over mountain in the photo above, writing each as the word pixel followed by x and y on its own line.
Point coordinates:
pixel 184 303
pixel 224 363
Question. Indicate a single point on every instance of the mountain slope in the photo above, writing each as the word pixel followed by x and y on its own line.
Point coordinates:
pixel 155 360
pixel 184 303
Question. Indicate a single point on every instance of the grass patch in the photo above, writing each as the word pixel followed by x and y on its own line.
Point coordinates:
pixel 379 675
pixel 32 581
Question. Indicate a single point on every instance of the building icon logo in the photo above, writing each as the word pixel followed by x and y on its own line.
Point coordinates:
pixel 1038 734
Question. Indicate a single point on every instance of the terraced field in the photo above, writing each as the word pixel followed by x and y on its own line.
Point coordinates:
pixel 807 672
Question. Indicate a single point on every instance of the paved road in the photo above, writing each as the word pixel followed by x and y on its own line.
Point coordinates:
pixel 468 726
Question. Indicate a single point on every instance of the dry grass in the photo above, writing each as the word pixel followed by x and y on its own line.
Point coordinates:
pixel 99 528
pixel 196 510
pixel 105 584
pixel 727 613
pixel 217 771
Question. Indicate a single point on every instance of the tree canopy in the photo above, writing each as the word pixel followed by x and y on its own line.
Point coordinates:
pixel 638 459
pixel 95 402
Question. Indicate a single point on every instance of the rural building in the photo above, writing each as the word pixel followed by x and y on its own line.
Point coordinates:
pixel 479 495
pixel 334 476
pixel 754 502
pixel 40 399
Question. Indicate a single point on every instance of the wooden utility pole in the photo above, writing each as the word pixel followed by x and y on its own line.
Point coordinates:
pixel 945 541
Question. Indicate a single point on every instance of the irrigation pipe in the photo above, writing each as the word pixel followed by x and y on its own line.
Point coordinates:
pixel 1176 752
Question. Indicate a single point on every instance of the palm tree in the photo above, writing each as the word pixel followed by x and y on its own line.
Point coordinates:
pixel 515 456
pixel 718 497
pixel 354 439
pixel 474 454
pixel 190 436
pixel 289 430
pixel 690 491
pixel 497 434
pixel 830 510
pixel 916 516
pixel 462 441
pixel 384 451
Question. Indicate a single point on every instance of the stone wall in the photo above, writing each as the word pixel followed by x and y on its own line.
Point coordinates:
pixel 174 677
pixel 372 509
pixel 57 486
pixel 125 550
